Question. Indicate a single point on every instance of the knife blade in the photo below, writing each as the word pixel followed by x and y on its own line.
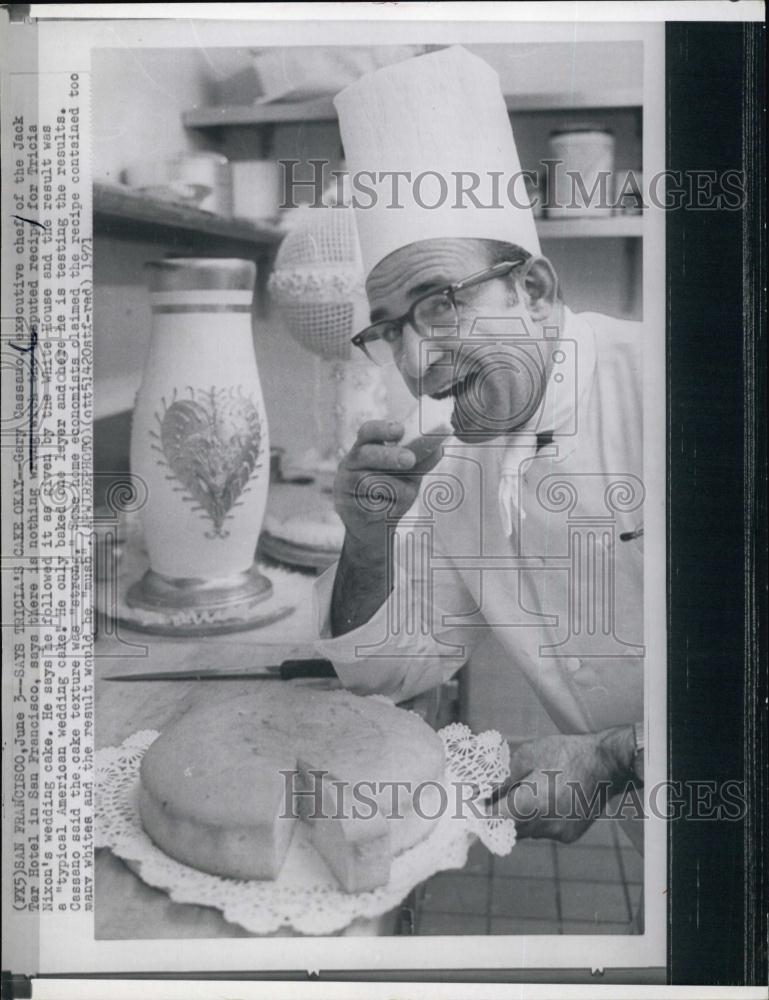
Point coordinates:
pixel 285 671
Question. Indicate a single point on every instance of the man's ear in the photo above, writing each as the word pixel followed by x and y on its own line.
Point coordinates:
pixel 539 284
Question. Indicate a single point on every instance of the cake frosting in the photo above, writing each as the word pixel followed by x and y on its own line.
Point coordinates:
pixel 317 530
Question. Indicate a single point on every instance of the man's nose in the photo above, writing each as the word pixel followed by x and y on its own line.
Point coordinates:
pixel 411 351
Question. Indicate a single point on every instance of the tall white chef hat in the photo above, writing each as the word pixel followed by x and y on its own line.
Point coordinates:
pixel 442 119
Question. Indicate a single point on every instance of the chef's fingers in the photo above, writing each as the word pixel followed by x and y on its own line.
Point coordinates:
pixel 378 431
pixel 380 457
pixel 522 761
pixel 537 814
pixel 426 447
pixel 520 802
pixel 526 802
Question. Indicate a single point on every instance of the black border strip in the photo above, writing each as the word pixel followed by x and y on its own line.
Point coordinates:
pixel 716 360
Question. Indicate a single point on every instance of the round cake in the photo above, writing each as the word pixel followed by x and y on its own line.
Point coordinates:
pixel 223 787
pixel 320 529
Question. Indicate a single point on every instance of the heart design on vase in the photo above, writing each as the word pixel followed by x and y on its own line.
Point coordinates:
pixel 211 443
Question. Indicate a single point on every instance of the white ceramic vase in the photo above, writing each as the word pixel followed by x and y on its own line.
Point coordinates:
pixel 199 439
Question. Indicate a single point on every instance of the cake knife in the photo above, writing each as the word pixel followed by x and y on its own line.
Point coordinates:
pixel 285 671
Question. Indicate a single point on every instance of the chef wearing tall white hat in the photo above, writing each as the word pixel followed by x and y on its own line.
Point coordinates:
pixel 525 519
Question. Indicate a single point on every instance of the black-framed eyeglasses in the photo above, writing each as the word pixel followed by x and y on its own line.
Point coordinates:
pixel 436 314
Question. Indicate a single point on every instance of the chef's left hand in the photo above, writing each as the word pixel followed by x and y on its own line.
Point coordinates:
pixel 560 784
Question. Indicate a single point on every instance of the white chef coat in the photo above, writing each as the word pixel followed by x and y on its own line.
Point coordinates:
pixel 563 593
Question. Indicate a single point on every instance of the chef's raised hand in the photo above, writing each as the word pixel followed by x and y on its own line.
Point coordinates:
pixel 560 784
pixel 376 483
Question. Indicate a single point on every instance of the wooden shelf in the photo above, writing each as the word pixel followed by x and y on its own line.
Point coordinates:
pixel 614 227
pixel 322 109
pixel 116 204
pixel 118 208
pixel 319 110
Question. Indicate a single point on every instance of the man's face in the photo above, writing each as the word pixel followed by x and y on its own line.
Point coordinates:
pixel 495 377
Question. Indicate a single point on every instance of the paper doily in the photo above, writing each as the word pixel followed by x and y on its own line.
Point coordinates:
pixel 306 895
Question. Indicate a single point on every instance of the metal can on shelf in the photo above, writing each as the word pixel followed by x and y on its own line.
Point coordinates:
pixel 199 179
pixel 255 189
pixel 580 171
pixel 628 196
pixel 211 172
